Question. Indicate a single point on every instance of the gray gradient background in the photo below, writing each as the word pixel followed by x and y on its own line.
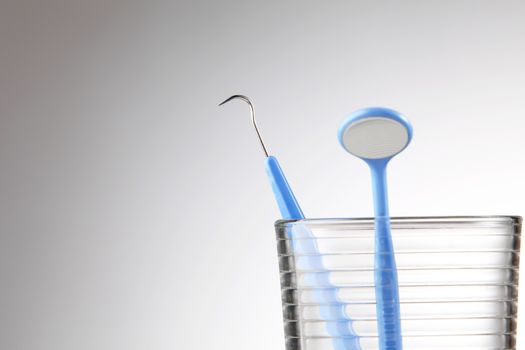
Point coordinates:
pixel 135 213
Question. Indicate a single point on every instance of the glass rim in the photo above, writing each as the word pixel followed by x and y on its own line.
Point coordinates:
pixel 481 220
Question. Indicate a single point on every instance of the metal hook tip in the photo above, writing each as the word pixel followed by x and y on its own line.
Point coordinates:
pixel 242 97
pixel 247 100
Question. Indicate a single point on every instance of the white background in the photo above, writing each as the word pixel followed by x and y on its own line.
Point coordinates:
pixel 135 213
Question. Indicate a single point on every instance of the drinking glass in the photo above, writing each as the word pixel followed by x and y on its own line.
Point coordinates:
pixel 458 282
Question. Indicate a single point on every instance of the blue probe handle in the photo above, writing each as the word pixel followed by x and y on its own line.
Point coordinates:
pixel 283 193
pixel 343 333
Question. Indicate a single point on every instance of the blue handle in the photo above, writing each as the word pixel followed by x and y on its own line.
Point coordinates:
pixel 385 272
pixel 344 336
pixel 283 193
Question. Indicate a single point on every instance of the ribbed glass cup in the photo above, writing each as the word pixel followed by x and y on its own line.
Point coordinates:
pixel 458 282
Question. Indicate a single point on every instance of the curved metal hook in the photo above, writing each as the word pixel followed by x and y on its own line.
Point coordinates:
pixel 247 100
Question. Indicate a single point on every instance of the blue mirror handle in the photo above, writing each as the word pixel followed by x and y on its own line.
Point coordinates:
pixel 385 271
